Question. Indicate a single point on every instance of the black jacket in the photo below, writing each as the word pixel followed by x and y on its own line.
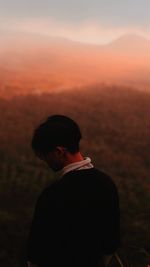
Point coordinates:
pixel 76 221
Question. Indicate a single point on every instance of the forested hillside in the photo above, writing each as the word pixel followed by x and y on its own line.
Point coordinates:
pixel 116 134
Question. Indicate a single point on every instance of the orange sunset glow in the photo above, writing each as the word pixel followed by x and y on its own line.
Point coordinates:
pixel 30 64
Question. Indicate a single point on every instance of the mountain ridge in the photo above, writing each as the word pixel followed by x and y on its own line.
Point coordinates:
pixel 54 63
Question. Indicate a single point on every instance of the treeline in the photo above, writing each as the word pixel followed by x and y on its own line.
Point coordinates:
pixel 115 123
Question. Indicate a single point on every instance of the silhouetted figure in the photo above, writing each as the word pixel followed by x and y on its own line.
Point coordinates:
pixel 76 219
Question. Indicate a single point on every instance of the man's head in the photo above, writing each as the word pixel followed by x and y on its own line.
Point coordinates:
pixel 57 137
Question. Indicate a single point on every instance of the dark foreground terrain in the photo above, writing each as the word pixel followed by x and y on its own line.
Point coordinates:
pixel 116 127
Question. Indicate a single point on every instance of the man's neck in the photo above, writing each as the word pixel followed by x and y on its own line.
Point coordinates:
pixel 72 158
pixel 77 165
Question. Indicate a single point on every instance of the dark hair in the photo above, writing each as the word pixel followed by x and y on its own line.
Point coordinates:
pixel 57 130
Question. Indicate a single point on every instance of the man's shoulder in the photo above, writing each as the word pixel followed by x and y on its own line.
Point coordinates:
pixel 73 182
pixel 91 174
pixel 48 192
pixel 86 172
pixel 91 178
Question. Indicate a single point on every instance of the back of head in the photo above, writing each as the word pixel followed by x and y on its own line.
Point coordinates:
pixel 57 130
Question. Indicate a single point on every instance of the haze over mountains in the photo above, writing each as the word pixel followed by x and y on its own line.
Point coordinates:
pixel 33 63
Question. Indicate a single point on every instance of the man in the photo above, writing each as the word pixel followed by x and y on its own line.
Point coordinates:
pixel 76 219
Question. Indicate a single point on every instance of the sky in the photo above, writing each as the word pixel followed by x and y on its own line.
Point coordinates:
pixel 92 21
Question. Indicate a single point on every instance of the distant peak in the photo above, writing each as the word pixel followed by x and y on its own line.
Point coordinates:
pixel 131 43
pixel 131 38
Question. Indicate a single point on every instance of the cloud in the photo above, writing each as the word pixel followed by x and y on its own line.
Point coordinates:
pixel 90 31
